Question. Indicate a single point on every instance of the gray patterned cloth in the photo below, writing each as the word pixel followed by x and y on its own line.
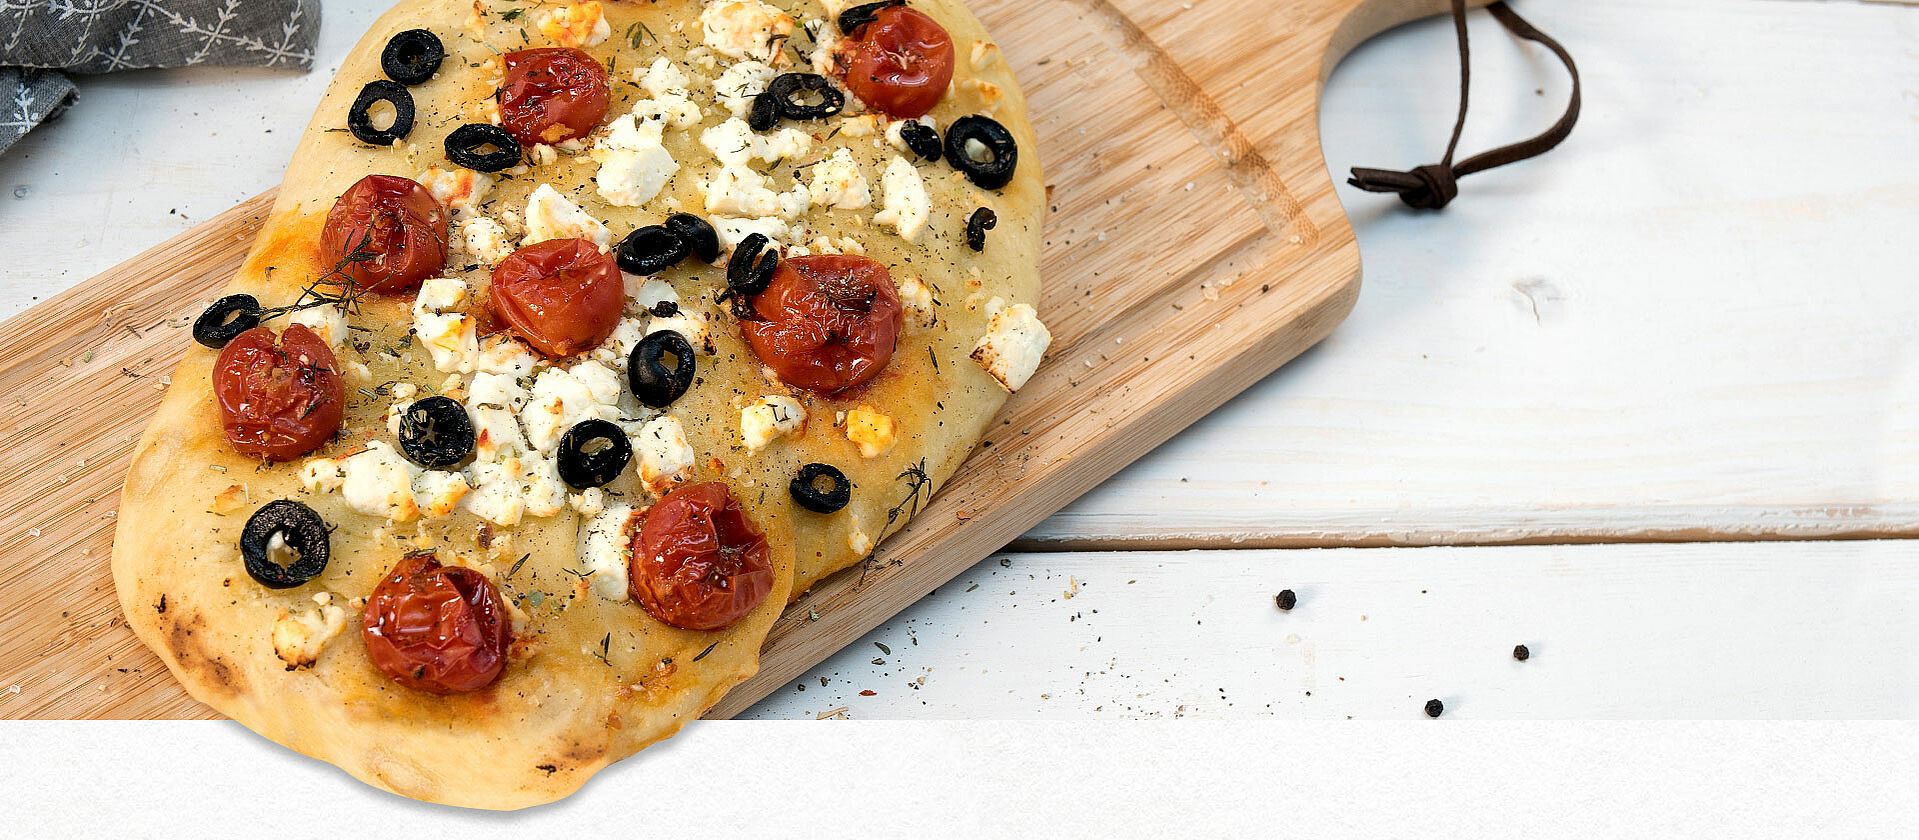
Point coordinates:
pixel 43 40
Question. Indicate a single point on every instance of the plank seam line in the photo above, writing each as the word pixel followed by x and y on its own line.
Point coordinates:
pixel 1249 170
pixel 1647 537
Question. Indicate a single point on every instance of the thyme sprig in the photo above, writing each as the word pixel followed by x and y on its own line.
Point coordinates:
pixel 335 288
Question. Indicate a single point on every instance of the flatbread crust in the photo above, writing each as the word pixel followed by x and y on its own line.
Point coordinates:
pixel 596 680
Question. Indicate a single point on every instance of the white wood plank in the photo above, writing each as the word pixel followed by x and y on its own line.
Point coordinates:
pixel 1695 319
pixel 1702 630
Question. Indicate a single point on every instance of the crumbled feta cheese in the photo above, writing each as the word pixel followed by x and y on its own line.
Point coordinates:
pixel 906 206
pixel 550 215
pixel 380 483
pixel 496 493
pixel 395 415
pixel 452 339
pixel 298 639
pixel 837 182
pixel 733 231
pixel 615 349
pixel 864 125
pixel 562 399
pixel 322 475
pixel 743 29
pixel 496 434
pixel 984 54
pixel 662 78
pixel 859 542
pixel 1014 342
pixel 581 25
pixel 604 548
pixel 736 88
pixel 458 188
pixel 494 389
pixel 436 492
pixel 326 321
pixel 874 432
pixel 486 241
pixel 634 167
pixel 644 293
pixel 918 302
pixel 503 354
pixel 670 102
pixel 439 294
pixel 664 453
pixel 691 326
pixel 738 189
pixel 768 418
pixel 545 493
pixel 588 502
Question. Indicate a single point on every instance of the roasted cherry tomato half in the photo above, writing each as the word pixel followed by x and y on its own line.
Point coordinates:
pixel 388 233
pixel 436 628
pixel 828 322
pixel 698 562
pixel 562 295
pixel 280 397
pixel 552 95
pixel 900 63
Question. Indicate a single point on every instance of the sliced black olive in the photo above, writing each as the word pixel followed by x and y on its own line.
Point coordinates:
pixel 921 139
pixel 699 236
pixel 412 56
pixel 284 544
pixel 749 271
pixel 665 309
pixel 791 90
pixel 593 453
pixel 467 146
pixel 982 220
pixel 361 122
pixel 650 250
pixel 807 491
pixel 226 318
pixel 764 113
pixel 436 432
pixel 653 382
pixel 1002 152
pixel 863 14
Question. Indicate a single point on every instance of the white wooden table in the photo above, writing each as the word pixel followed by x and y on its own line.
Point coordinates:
pixel 1616 404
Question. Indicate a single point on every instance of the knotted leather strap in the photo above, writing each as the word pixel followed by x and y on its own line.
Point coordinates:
pixel 1430 187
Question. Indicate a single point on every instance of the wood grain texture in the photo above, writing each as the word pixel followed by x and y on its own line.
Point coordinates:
pixel 1147 338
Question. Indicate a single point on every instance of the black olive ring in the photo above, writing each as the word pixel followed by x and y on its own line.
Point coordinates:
pixel 764 113
pixel 806 490
pixel 699 236
pixel 650 250
pixel 863 14
pixel 412 56
pixel 436 432
pixel 225 319
pixel 360 122
pixel 653 383
pixel 300 529
pixel 997 170
pixel 982 220
pixel 921 139
pixel 584 465
pixel 464 144
pixel 749 271
pixel 786 89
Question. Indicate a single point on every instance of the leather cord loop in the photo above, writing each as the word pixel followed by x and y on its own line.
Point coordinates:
pixel 1432 186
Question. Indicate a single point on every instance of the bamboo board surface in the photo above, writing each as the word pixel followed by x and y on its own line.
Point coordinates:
pixel 1193 245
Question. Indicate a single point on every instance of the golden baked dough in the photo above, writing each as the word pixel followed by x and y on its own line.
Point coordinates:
pixel 592 679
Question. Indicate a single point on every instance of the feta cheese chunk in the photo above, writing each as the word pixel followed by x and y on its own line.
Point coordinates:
pixel 452 338
pixel 298 639
pixel 604 548
pixel 733 231
pixel 326 321
pixel 485 240
pixel 770 417
pixel 439 294
pixel 506 355
pixel 380 483
pixel 874 432
pixel 670 104
pixel 458 188
pixel 837 183
pixel 578 25
pixel 906 206
pixel 634 167
pixel 664 453
pixel 1014 342
pixel 736 88
pixel 550 215
pixel 496 493
pixel 496 435
pixel 859 542
pixel 743 29
pixel 562 399
pixel 436 492
pixel 918 302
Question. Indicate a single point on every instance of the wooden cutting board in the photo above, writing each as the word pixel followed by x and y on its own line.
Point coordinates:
pixel 1193 244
